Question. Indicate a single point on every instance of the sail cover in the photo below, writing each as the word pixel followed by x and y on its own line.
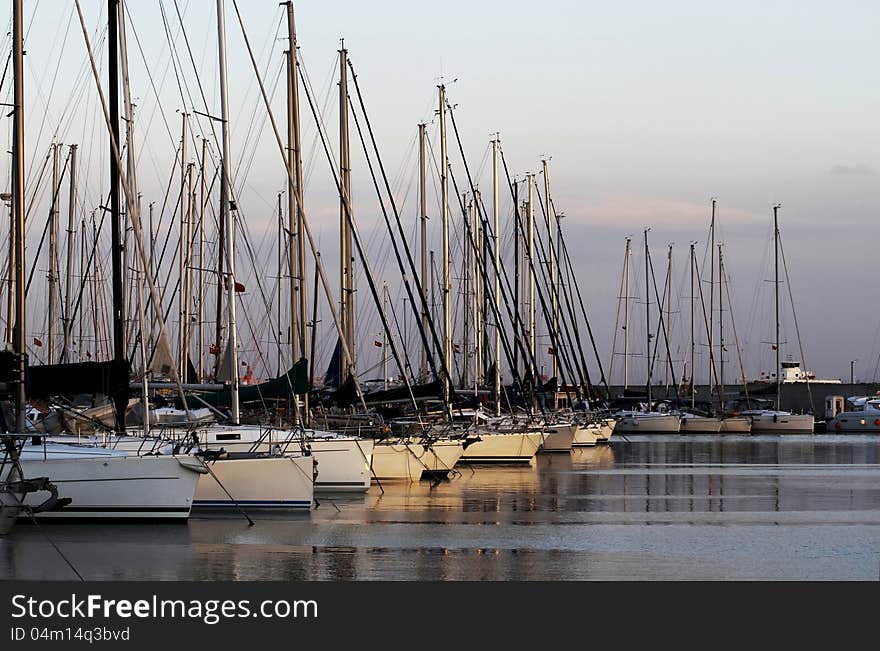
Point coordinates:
pixel 294 382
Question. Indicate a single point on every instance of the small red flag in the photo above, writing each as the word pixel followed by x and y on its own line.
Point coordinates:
pixel 551 351
pixel 214 349
pixel 772 347
pixel 37 342
pixel 377 344
pixel 238 286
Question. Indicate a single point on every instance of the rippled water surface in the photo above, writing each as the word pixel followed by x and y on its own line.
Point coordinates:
pixel 651 508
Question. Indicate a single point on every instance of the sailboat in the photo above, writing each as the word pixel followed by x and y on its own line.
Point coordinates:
pixel 648 419
pixel 228 479
pixel 501 439
pixel 342 462
pixel 277 478
pixel 777 421
pixel 94 482
pixel 559 437
pixel 692 423
pixel 14 489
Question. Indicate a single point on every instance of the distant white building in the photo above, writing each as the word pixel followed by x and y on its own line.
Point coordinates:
pixel 792 372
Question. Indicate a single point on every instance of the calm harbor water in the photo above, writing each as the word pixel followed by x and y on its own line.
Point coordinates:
pixel 664 507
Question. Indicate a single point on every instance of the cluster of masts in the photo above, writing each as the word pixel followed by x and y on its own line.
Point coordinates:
pixel 501 318
pixel 703 308
pixel 502 314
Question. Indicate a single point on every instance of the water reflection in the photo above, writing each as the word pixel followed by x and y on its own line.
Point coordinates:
pixel 746 508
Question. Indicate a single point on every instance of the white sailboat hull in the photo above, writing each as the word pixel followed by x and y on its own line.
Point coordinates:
pixel 343 463
pixel 398 461
pixel 441 456
pixel 284 482
pixel 503 447
pixel 782 424
pixel 587 435
pixel 116 487
pixel 736 425
pixel 606 429
pixel 559 438
pixel 649 424
pixel 700 425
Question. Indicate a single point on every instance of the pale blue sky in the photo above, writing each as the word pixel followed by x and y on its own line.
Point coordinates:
pixel 647 109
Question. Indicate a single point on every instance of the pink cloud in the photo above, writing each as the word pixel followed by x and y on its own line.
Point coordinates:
pixel 641 212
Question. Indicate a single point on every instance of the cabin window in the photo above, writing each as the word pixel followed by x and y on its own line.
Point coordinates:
pixel 229 437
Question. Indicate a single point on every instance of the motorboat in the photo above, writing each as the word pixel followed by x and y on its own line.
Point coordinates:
pixel 863 416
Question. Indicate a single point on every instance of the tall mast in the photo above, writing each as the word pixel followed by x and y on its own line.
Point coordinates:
pixel 711 290
pixel 187 269
pixel 297 247
pixel 648 316
pixel 154 310
pixel 203 202
pixel 477 230
pixel 68 284
pixel 693 345
pixel 184 218
pixel 776 285
pixel 53 272
pixel 720 327
pixel 119 355
pixel 280 272
pixel 626 258
pixel 495 213
pixel 433 287
pixel 18 340
pixel 554 300
pixel 444 199
pixel 516 267
pixel 465 291
pixel 84 274
pixel 668 311
pixel 423 213
pixel 131 157
pixel 10 273
pixel 531 254
pixel 346 254
pixel 145 397
pixel 384 337
pixel 226 214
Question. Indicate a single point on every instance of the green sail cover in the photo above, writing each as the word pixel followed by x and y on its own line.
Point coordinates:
pixel 295 381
